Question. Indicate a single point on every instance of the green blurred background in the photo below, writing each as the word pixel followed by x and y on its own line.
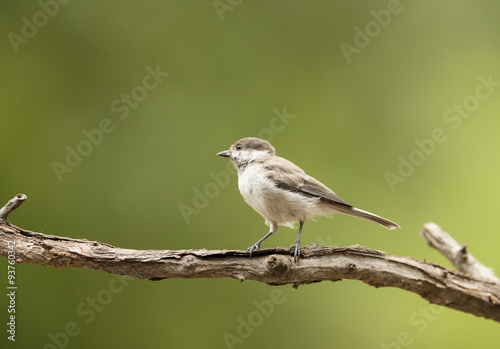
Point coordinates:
pixel 231 66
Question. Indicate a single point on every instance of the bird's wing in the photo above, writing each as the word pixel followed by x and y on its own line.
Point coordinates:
pixel 314 187
pixel 288 176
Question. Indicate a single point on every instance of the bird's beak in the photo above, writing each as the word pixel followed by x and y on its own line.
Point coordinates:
pixel 225 153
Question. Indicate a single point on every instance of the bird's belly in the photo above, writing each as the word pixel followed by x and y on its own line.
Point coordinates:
pixel 274 204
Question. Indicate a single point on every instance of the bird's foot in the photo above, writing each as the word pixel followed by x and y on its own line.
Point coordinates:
pixel 253 248
pixel 296 253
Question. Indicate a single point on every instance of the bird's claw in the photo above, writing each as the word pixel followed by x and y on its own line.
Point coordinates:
pixel 252 248
pixel 296 253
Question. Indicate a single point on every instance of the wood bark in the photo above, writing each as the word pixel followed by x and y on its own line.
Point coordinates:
pixel 471 293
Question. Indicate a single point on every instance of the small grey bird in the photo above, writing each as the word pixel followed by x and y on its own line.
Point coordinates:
pixel 283 193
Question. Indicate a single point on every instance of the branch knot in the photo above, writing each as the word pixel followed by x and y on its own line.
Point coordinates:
pixel 278 264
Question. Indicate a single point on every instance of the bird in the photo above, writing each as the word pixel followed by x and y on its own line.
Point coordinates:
pixel 282 193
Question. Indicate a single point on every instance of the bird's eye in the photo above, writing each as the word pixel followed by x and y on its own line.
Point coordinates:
pixel 239 146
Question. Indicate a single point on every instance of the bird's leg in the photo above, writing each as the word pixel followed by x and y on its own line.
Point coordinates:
pixel 256 246
pixel 296 253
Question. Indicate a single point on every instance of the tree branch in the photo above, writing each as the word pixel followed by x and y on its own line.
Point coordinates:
pixel 457 254
pixel 12 205
pixel 432 282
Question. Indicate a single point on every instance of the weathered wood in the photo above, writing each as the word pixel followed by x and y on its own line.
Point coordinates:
pixel 432 282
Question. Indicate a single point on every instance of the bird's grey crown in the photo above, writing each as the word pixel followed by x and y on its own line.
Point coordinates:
pixel 256 144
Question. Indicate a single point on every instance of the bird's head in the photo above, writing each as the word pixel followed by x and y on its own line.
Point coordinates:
pixel 247 150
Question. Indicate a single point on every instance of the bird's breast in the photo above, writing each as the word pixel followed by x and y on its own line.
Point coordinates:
pixel 274 204
pixel 254 186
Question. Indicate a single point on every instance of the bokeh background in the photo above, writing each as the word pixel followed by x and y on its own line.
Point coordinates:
pixel 359 103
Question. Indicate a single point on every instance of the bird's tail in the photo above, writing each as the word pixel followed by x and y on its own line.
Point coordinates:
pixel 356 212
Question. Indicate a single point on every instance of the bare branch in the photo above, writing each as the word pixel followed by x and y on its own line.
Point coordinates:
pixel 457 254
pixel 12 205
pixel 432 282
